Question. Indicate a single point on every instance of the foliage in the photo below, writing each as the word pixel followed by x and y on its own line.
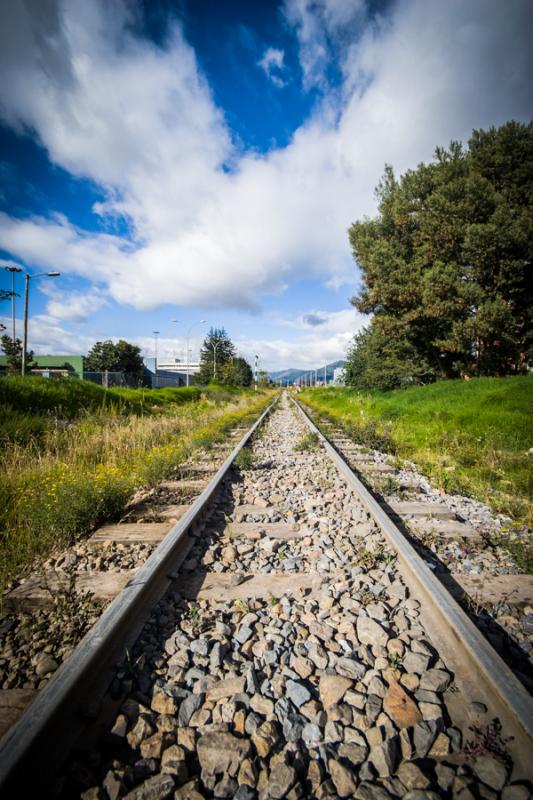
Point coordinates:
pixel 13 352
pixel 216 354
pixel 309 441
pixel 263 379
pixel 445 265
pixel 237 372
pixel 119 357
pixel 469 437
pixel 245 459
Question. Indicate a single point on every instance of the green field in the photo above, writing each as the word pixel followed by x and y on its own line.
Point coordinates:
pixel 73 454
pixel 469 437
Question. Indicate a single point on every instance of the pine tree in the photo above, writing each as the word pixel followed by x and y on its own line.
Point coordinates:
pixel 217 351
pixel 445 264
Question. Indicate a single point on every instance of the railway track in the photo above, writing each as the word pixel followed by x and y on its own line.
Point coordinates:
pixel 283 640
pixel 461 542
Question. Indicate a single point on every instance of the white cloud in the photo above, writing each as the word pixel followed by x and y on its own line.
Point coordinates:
pixel 73 306
pixel 313 347
pixel 272 65
pixel 141 122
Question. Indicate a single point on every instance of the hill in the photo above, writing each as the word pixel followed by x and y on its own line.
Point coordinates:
pixel 290 375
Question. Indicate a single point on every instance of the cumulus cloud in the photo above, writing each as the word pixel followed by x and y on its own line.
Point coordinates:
pixel 272 65
pixel 313 347
pixel 209 224
pixel 73 306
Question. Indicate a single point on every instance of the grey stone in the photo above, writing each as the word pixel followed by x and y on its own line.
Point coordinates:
pixel 293 725
pixel 385 757
pixel 220 753
pixel 243 634
pixel 311 734
pixel 297 693
pixel 217 655
pixel 226 787
pixel 349 668
pixel 435 680
pixel 516 791
pixel 355 753
pixel 158 787
pixel 369 791
pixel 415 662
pixel 282 777
pixel 424 734
pixel 342 778
pixel 490 771
pixel 245 793
pixel 45 665
pixel 370 632
pixel 187 708
pixel 445 776
pixel 412 776
pixel 422 794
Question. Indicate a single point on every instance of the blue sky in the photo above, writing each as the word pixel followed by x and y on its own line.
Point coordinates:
pixel 203 160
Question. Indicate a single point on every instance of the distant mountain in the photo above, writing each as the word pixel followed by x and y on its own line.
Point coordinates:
pixel 291 375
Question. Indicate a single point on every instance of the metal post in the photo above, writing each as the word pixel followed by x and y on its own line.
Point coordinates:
pixel 187 365
pixel 325 380
pixel 25 337
pixel 255 372
pixel 13 302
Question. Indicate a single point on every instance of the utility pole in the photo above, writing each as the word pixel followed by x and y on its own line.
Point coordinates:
pixel 27 279
pixel 12 269
pixel 156 334
pixel 255 372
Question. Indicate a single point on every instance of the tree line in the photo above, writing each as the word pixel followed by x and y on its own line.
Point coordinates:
pixel 446 266
pixel 219 362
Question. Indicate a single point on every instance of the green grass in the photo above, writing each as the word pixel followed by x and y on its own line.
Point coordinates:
pixel 468 437
pixel 87 461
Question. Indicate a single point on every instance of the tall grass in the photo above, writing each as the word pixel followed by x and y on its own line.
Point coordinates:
pixel 60 485
pixel 468 437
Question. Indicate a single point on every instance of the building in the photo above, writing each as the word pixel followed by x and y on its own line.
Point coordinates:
pixel 177 365
pixel 49 366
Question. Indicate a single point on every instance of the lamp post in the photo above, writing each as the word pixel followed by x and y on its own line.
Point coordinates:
pixel 214 345
pixel 255 372
pixel 200 322
pixel 12 268
pixel 156 334
pixel 27 279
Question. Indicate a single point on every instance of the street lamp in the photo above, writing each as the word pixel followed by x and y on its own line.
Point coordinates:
pixel 200 322
pixel 27 279
pixel 214 345
pixel 255 371
pixel 156 334
pixel 12 268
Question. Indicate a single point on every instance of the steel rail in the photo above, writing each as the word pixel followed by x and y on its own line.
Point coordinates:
pixel 464 647
pixel 34 747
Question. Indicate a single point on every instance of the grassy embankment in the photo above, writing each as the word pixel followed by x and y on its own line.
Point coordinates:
pixel 72 454
pixel 469 437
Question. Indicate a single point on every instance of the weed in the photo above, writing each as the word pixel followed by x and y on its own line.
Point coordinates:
pixel 131 664
pixel 395 660
pixel 489 741
pixel 245 459
pixel 388 485
pixel 272 599
pixel 194 614
pixel 241 605
pixel 309 441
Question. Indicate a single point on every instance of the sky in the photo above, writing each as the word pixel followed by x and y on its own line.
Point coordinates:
pixel 199 160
